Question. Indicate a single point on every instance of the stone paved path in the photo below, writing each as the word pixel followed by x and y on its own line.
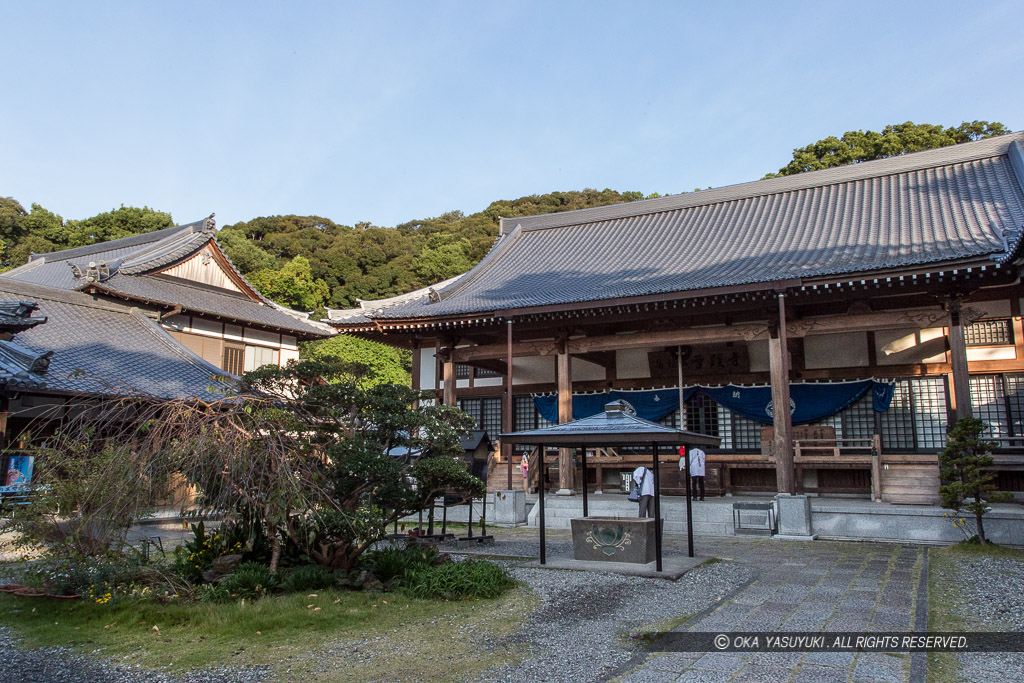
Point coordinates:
pixel 814 586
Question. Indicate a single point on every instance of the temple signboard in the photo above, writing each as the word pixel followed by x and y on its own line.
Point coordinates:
pixel 701 360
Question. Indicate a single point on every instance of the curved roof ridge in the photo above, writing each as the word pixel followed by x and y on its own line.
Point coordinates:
pixel 502 245
pixel 915 161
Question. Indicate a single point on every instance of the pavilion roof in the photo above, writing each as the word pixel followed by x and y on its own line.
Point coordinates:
pixel 612 427
pixel 954 205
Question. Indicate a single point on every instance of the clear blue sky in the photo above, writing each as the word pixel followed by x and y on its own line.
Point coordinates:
pixel 390 111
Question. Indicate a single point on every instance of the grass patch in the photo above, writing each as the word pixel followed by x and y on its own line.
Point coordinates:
pixel 399 638
pixel 946 603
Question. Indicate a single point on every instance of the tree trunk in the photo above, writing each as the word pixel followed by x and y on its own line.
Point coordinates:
pixel 275 549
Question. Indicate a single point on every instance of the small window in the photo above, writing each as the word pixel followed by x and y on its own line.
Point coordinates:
pixel 462 371
pixel 234 358
pixel 988 333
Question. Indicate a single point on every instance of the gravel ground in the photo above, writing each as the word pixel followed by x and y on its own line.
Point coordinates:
pixel 581 631
pixel 992 591
pixel 61 665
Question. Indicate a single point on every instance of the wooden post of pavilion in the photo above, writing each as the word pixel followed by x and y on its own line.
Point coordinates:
pixel 657 506
pixel 583 455
pixel 958 358
pixel 689 504
pixel 778 358
pixel 540 501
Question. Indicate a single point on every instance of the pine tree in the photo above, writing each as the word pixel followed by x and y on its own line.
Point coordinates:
pixel 966 464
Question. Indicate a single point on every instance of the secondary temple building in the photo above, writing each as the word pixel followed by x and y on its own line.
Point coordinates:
pixel 163 314
pixel 878 301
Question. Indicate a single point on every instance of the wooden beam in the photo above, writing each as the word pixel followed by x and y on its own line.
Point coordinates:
pixel 449 378
pixel 781 418
pixel 958 359
pixel 566 471
pixel 887 320
pixel 506 404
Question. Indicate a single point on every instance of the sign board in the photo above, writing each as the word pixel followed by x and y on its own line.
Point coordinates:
pixel 701 360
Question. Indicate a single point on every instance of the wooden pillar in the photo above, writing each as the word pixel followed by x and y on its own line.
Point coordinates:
pixel 449 376
pixel 566 472
pixel 506 407
pixel 781 418
pixel 417 367
pixel 958 359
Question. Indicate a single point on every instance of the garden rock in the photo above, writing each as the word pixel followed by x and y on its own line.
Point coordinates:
pixel 223 567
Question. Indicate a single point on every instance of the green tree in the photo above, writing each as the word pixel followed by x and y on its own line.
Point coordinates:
pixel 444 256
pixel 292 286
pixel 901 138
pixel 364 362
pixel 115 224
pixel 965 465
pixel 245 255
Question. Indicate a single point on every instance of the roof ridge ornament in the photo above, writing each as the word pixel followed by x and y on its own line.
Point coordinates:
pixel 210 225
pixel 95 272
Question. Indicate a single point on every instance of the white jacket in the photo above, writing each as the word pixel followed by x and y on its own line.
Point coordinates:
pixel 647 489
pixel 697 459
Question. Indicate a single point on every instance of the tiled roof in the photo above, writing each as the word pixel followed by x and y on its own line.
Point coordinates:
pixel 54 268
pixel 107 348
pixel 16 316
pixel 130 261
pixel 368 308
pixel 933 207
pixel 195 298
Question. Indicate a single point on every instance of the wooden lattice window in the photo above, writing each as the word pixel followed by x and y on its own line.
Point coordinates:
pixel 988 333
pixel 234 358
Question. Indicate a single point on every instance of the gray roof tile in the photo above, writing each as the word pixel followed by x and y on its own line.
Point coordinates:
pixel 927 208
pixel 106 348
pixel 196 298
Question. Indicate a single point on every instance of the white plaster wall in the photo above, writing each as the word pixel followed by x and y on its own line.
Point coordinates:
pixel 460 383
pixel 757 351
pixel 533 370
pixel 233 332
pixel 992 353
pixel 585 371
pixel 289 342
pixel 287 355
pixel 488 382
pixel 428 368
pixel 271 338
pixel 836 350
pixel 992 309
pixel 632 364
pixel 207 327
pixel 899 347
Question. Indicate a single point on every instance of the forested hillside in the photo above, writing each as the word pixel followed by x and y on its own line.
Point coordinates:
pixel 371 262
